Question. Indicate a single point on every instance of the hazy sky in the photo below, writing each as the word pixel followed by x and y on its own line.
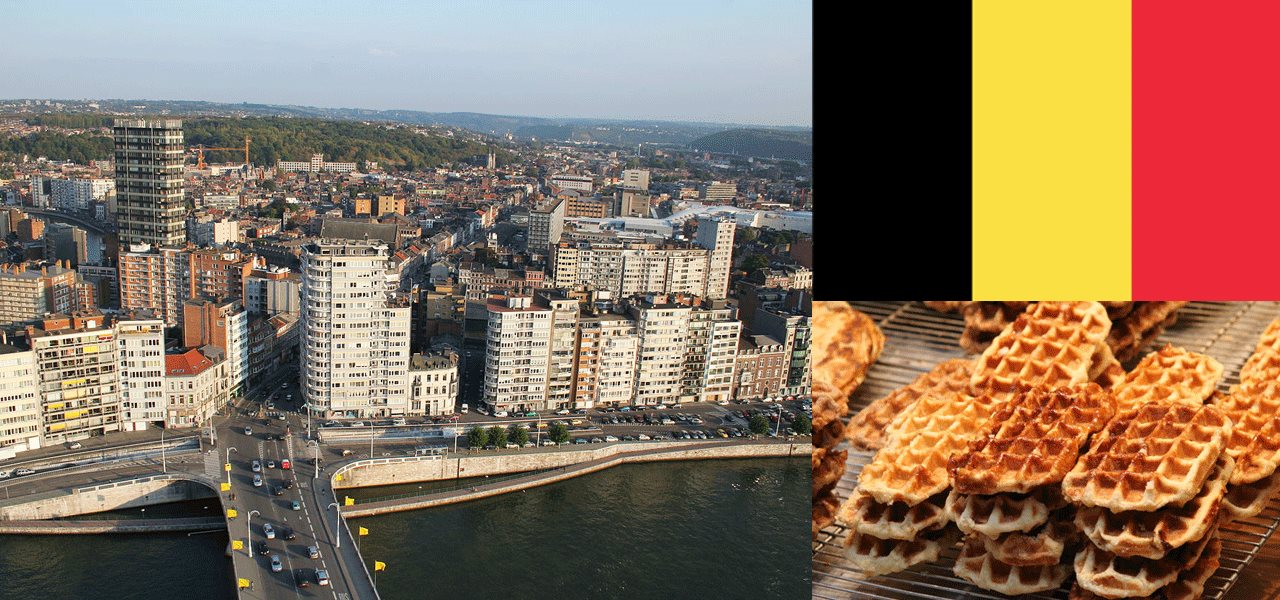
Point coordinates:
pixel 745 61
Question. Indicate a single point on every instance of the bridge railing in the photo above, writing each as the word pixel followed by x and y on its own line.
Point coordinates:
pixel 462 486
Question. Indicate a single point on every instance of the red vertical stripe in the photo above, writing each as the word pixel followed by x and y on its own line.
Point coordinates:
pixel 1206 150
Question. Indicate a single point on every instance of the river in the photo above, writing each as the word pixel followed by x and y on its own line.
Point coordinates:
pixel 697 529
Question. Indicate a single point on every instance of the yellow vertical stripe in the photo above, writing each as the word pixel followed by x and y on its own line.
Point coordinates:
pixel 1051 149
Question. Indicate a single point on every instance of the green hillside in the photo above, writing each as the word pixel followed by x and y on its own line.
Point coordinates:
pixel 762 143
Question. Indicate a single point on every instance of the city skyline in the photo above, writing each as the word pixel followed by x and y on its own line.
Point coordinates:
pixel 706 62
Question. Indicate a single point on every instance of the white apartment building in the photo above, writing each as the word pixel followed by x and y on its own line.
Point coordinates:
pixel 215 232
pixel 663 329
pixel 78 194
pixel 238 351
pixel 606 368
pixel 19 402
pixel 221 201
pixel 140 352
pixel 635 179
pixel 572 182
pixel 433 384
pixel 563 346
pixel 197 385
pixel 354 332
pixel 271 291
pixel 711 353
pixel 317 164
pixel 518 339
pixel 716 235
pixel 629 268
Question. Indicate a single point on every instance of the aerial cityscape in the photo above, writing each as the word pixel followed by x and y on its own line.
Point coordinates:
pixel 261 349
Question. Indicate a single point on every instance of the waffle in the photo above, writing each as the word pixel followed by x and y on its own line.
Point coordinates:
pixel 1254 409
pixel 912 466
pixel 824 512
pixel 1101 361
pixel 1157 454
pixel 867 429
pixel 1248 499
pixel 983 321
pixel 999 514
pixel 1171 375
pixel 1111 576
pixel 1130 334
pixel 947 306
pixel 1051 344
pixel 1117 309
pixel 829 408
pixel 1111 376
pixel 895 521
pixel 981 568
pixel 1264 364
pixel 845 343
pixel 828 467
pixel 1189 585
pixel 1154 534
pixel 1044 545
pixel 1032 441
pixel 875 556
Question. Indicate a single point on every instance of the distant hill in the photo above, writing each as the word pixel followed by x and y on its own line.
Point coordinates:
pixel 762 143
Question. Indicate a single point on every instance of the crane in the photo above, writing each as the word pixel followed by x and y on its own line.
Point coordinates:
pixel 201 149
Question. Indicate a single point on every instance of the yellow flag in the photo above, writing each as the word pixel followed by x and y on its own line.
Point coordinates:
pixel 379 565
pixel 226 466
pixel 349 501
pixel 237 545
pixel 231 513
pixel 337 477
pixel 226 487
pixel 244 583
pixel 364 531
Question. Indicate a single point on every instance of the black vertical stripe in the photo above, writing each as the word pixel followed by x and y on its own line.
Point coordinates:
pixel 894 152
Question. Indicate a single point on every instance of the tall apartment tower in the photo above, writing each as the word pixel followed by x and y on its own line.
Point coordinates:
pixel 663 329
pixel 354 333
pixel 546 225
pixel 150 207
pixel 77 375
pixel 717 236
pixel 531 351
pixel 140 346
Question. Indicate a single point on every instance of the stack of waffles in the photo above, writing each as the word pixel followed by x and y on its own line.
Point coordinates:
pixel 1147 496
pixel 1254 408
pixel 984 320
pixel 845 344
pixel 896 515
pixel 1006 488
pixel 1138 327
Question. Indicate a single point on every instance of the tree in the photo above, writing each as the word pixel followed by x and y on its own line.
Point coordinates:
pixel 754 263
pixel 497 436
pixel 558 433
pixel 269 185
pixel 759 425
pixel 802 425
pixel 746 235
pixel 478 437
pixel 518 435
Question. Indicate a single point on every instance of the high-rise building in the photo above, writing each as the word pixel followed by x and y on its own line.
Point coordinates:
pixel 354 332
pixel 19 401
pixel 663 328
pixel 140 352
pixel 606 368
pixel 78 376
pixel 30 230
pixel 711 348
pixel 66 242
pixel 216 273
pixel 150 208
pixel 223 324
pixel 717 236
pixel 572 182
pixel 518 337
pixel 272 290
pixel 632 203
pixel 546 224
pixel 29 293
pixel 717 191
pixel 629 268
pixel 79 194
pixel 563 346
pixel 635 179
pixel 156 279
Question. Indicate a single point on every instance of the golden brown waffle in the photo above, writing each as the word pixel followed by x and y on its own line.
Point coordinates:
pixel 1111 376
pixel 845 343
pixel 1117 309
pixel 895 521
pixel 1170 375
pixel 1254 409
pixel 1157 454
pixel 1101 361
pixel 824 512
pixel 1044 545
pixel 829 408
pixel 946 306
pixel 1153 534
pixel 1264 364
pixel 983 321
pixel 982 569
pixel 1111 576
pixel 875 556
pixel 912 466
pixel 1051 344
pixel 1248 499
pixel 1189 585
pixel 1032 441
pixel 867 429
pixel 998 514
pixel 1130 334
pixel 828 467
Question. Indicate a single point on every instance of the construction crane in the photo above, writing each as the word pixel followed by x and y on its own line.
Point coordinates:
pixel 200 150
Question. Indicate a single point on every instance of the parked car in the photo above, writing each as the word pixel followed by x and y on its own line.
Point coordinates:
pixel 271 464
pixel 609 438
pixel 5 474
pixel 548 442
pixel 269 531
pixel 24 471
pixel 76 445
pixel 643 437
pixel 563 411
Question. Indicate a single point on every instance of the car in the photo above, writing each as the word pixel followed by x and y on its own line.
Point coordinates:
pixel 277 491
pixel 511 445
pixel 269 531
pixel 256 466
pixel 271 405
pixel 563 411
pixel 276 565
pixel 257 481
pixel 529 444
pixel 302 578
pixel 548 442
pixel 248 431
pixel 288 533
pixel 659 437
pixel 5 474
pixel 21 472
pixel 285 464
pixel 295 505
pixel 721 433
pixel 76 445
pixel 609 438
pixel 271 464
pixel 280 416
pixel 288 484
pixel 643 437
pixel 399 422
pixel 313 552
pixel 499 413
pixel 596 440
pixel 322 577
pixel 625 409
pixel 284 385
pixel 264 549
pixel 579 440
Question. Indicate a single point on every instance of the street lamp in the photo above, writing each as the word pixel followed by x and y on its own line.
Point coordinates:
pixel 248 526
pixel 337 523
pixel 164 465
pixel 229 451
pixel 778 425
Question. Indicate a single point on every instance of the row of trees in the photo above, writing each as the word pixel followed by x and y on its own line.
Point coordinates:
pixel 499 436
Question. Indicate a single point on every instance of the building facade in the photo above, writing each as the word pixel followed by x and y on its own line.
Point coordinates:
pixel 433 384
pixel 546 224
pixel 20 422
pixel 149 189
pixel 140 352
pixel 716 235
pixel 78 376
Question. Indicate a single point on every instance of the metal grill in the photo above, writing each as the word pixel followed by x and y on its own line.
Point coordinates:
pixel 918 338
